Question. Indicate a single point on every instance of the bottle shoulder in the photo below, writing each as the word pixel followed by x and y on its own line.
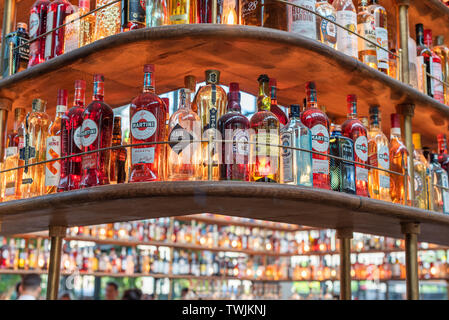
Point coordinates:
pixel 146 100
pixel 99 106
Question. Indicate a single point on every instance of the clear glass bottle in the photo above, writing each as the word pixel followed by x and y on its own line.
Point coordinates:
pixel 183 155
pixel 439 178
pixel 211 100
pixel 56 14
pixel 117 172
pixel 147 116
pixel 79 32
pixel 366 27
pixel 296 165
pixel 53 150
pixel 381 25
pixel 326 31
pixel 346 16
pixel 96 133
pixel 36 125
pixel 107 21
pixel 421 172
pixel 442 51
pixel 157 13
pixel 303 22
pixel 264 159
pixel 378 156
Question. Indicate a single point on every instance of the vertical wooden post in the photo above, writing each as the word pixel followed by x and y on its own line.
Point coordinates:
pixel 411 231
pixel 403 38
pixel 57 234
pixel 345 235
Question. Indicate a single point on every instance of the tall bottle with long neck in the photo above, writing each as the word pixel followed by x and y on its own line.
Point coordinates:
pixel 424 57
pixel 147 116
pixel 264 159
pixel 117 171
pixel 366 27
pixel 234 126
pixel 378 156
pixel 53 169
pixel 399 190
pixel 355 130
pixel 436 70
pixel 71 124
pixel 346 16
pixel 38 26
pixel 421 173
pixel 58 10
pixel 318 123
pixel 381 26
pixel 442 51
pixel 96 133
pixel 274 103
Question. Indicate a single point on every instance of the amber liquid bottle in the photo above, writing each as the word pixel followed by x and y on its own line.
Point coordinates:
pixel 264 13
pixel 117 172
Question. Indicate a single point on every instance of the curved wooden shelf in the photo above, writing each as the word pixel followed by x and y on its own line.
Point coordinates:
pixel 265 201
pixel 241 53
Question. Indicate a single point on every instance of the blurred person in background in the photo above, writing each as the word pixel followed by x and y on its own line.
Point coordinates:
pixel 111 291
pixel 30 288
pixel 132 294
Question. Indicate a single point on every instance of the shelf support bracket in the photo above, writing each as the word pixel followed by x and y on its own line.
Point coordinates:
pixel 411 231
pixel 57 234
pixel 344 235
pixel 404 35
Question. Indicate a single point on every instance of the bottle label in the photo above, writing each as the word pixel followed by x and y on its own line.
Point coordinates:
pixel 53 169
pixel 179 139
pixel 304 22
pixel 419 186
pixel 61 109
pixel 320 138
pixel 367 30
pixel 89 132
pixel 361 148
pixel 24 50
pixel 382 55
pixel 347 42
pixel 136 11
pixel 142 155
pixel 49 37
pixel 10 188
pixel 361 174
pixel 264 138
pixel 437 85
pixel 143 125
pixel 328 30
pixel 11 151
pixel 420 73
pixel 320 166
pixel 248 8
pixel 384 181
pixel 240 140
pixel 383 157
pixel 34 24
pixel 77 138
pixel 287 157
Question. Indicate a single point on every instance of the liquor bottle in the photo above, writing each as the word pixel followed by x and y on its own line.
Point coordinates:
pixel 380 20
pixel 183 155
pixel 439 196
pixel 416 65
pixel 12 180
pixel 71 125
pixel 36 126
pixel 79 32
pixel 355 130
pixel 296 165
pixel 180 11
pixel 303 22
pixel 53 150
pixel 107 21
pixel 204 11
pixel 38 26
pixel 318 123
pixel 326 31
pixel 56 14
pixel 378 156
pixel 157 13
pixel 421 172
pixel 269 14
pixel 443 156
pixel 399 191
pixel 211 101
pixel 133 15
pixel 231 12
pixel 437 91
pixel 274 104
pixel 424 58
pixel 233 126
pixel 442 51
pixel 342 173
pixel 117 173
pixel 190 83
pixel 251 13
pixel 366 27
pixel 96 133
pixel 264 159
pixel 147 124
pixel 346 16
pixel 21 55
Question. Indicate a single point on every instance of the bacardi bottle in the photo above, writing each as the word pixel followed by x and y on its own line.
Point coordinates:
pixel 439 196
pixel 58 10
pixel 117 172
pixel 96 133
pixel 366 27
pixel 71 125
pixel 234 126
pixel 326 30
pixel 399 190
pixel 421 173
pixel 274 104
pixel 342 173
pixel 38 26
pixel 264 159
pixel 318 123
pixel 380 20
pixel 296 165
pixel 355 130
pixel 53 151
pixel 346 16
pixel 378 156
pixel 436 70
pixel 133 14
pixel 147 116
pixel 184 155
pixel 303 22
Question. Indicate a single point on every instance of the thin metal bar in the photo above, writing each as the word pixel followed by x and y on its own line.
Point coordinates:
pixel 57 234
pixel 10 57
pixel 431 76
pixel 214 11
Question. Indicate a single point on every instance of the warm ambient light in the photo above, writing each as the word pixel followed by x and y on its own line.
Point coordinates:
pixel 231 17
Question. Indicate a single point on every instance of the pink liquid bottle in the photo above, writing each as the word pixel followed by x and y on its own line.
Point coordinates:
pixel 38 26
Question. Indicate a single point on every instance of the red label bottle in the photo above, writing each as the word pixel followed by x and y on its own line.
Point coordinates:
pixel 38 26
pixel 54 42
pixel 318 123
pixel 436 69
pixel 147 116
pixel 274 104
pixel 355 130
pixel 96 133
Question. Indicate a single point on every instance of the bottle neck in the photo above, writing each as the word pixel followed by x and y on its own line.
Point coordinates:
pixel 98 91
pixel 442 147
pixel 374 122
pixel 184 101
pixel 274 100
pixel 148 83
pixel 420 37
pixel 352 110
pixel 18 122
pixel 312 101
pixel 234 105
pixel 79 98
pixel 265 100
pixel 395 133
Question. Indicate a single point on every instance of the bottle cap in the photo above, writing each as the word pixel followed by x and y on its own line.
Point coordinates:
pixel 440 40
pixel 212 76
pixel 263 78
pixel 419 28
pixel 352 103
pixel 395 120
pixel 148 68
pixel 416 137
pixel 374 109
pixel 38 105
pixel 272 82
pixel 80 84
pixel 22 25
pixel 190 82
pixel 18 112
pixel 98 78
pixel 62 97
pixel 295 110
pixel 310 86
